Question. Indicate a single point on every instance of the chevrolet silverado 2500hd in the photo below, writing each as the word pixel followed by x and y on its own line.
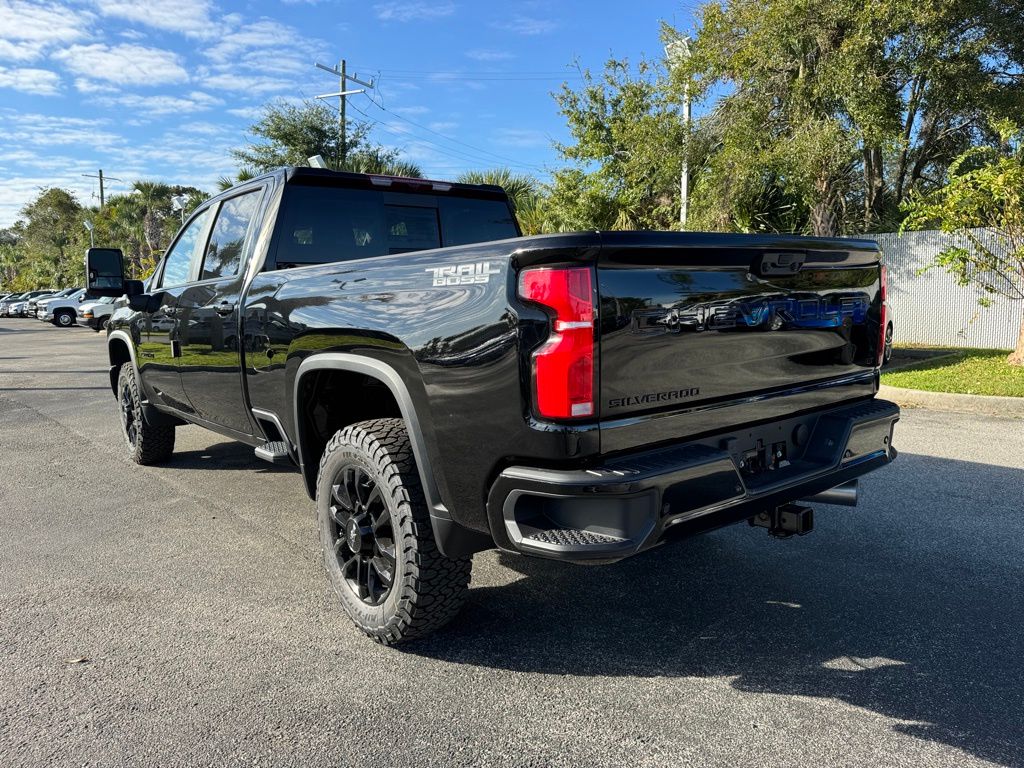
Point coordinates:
pixel 445 386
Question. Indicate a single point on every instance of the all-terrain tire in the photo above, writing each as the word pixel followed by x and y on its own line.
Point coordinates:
pixel 146 444
pixel 427 589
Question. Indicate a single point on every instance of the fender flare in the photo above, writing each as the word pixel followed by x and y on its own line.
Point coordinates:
pixel 384 373
pixel 127 340
pixel 153 415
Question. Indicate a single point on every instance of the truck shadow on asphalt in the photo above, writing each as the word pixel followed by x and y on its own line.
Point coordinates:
pixel 226 456
pixel 910 606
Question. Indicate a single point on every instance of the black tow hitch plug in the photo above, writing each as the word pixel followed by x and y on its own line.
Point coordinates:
pixel 782 522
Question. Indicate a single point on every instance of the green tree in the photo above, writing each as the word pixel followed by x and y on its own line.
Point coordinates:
pixel 290 134
pixel 53 239
pixel 983 203
pixel 623 164
pixel 846 107
pixel 11 259
pixel 143 222
pixel 520 188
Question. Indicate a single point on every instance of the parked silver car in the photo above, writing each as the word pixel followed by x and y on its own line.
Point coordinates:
pixel 8 301
pixel 19 307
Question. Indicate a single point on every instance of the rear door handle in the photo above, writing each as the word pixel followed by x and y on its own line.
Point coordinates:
pixel 225 308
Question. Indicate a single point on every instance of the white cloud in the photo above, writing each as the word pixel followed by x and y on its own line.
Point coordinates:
pixel 485 54
pixel 126 64
pixel 527 25
pixel 249 113
pixel 264 57
pixel 85 85
pixel 257 84
pixel 196 101
pixel 187 17
pixel 267 36
pixel 413 10
pixel 17 191
pixel 442 126
pixel 36 130
pixel 27 29
pixel 40 82
pixel 521 137
pixel 417 110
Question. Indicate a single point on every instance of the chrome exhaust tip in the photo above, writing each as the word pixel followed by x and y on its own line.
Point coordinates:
pixel 844 495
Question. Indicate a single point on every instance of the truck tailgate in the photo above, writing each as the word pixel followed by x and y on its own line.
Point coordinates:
pixel 706 332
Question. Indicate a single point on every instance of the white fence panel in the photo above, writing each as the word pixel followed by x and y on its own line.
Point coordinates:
pixel 931 308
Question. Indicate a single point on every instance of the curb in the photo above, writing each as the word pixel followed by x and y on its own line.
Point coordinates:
pixel 989 405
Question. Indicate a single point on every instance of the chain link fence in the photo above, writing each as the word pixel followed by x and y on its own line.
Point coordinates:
pixel 930 308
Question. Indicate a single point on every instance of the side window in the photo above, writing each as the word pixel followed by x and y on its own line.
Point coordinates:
pixel 227 240
pixel 179 260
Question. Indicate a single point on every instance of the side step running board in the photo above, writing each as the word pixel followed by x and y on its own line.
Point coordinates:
pixel 275 452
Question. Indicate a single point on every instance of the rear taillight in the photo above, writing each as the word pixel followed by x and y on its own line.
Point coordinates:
pixel 563 367
pixel 883 320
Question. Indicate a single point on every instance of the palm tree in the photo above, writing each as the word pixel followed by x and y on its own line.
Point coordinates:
pixel 154 197
pixel 226 182
pixel 381 161
pixel 521 189
pixel 123 218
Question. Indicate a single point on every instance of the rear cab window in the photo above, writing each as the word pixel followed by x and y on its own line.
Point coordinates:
pixel 324 224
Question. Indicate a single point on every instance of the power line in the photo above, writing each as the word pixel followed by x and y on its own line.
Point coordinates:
pixel 438 147
pixel 476 149
pixel 481 74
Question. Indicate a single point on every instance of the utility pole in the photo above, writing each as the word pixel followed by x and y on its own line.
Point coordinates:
pixel 676 52
pixel 101 177
pixel 343 80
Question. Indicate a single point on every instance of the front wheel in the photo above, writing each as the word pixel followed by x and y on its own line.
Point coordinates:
pixel 64 319
pixel 378 543
pixel 146 444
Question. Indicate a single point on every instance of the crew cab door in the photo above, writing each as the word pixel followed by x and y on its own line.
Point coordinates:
pixel 208 316
pixel 156 333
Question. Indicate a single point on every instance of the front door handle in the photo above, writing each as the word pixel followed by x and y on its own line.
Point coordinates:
pixel 225 308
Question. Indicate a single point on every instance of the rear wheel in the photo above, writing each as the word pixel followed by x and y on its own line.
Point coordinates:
pixel 64 318
pixel 887 353
pixel 146 444
pixel 377 538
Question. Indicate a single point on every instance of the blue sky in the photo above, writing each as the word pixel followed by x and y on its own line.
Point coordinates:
pixel 164 89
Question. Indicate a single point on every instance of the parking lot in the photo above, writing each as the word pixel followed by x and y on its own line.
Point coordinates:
pixel 179 615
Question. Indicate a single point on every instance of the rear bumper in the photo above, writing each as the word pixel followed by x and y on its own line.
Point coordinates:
pixel 633 502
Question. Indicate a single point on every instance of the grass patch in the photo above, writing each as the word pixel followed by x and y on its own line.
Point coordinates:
pixel 966 371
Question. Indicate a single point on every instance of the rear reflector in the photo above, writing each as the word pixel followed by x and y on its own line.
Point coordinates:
pixel 563 367
pixel 883 319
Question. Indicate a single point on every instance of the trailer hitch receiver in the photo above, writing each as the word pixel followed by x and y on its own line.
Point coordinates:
pixel 785 521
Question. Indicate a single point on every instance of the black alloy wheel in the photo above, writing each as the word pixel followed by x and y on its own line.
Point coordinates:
pixel 377 535
pixel 129 422
pixel 362 535
pixel 147 444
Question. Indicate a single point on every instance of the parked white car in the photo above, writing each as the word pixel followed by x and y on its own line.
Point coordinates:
pixel 94 313
pixel 32 307
pixel 61 311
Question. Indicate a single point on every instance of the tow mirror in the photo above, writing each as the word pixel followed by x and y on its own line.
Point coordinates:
pixel 104 271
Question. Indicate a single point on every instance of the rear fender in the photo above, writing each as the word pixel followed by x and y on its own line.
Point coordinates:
pixel 452 539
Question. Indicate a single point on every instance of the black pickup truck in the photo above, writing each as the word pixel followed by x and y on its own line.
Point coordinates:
pixel 445 386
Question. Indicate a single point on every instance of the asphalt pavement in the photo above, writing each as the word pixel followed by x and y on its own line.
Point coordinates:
pixel 179 615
